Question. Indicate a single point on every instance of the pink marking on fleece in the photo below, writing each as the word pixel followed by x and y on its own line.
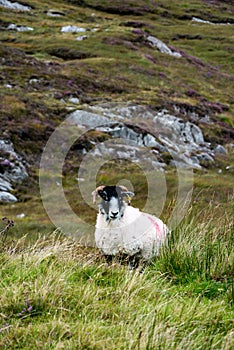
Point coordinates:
pixel 156 225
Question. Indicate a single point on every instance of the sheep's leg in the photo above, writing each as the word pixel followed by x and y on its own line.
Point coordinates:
pixel 109 259
pixel 134 261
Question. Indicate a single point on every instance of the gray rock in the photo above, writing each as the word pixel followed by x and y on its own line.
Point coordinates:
pixel 162 47
pixel 136 138
pixel 199 20
pixel 177 130
pixel 150 141
pixel 55 13
pixel 72 29
pixel 74 100
pixel 8 86
pixel 85 118
pixel 14 5
pixel 5 185
pixel 112 150
pixel 182 140
pixel 206 120
pixel 185 164
pixel 34 81
pixel 124 112
pixel 219 149
pixel 82 37
pixel 20 216
pixel 13 170
pixel 7 197
pixel 19 28
pixel 205 157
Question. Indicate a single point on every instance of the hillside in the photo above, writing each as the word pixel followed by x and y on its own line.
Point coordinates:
pixel 138 93
pixel 158 71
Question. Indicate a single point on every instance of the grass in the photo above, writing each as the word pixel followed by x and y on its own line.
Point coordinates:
pixel 119 49
pixel 55 294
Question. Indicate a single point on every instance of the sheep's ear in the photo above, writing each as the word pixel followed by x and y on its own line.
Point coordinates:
pixel 128 195
pixel 97 192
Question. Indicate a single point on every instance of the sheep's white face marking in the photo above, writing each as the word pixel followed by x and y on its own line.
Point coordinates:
pixel 114 208
pixel 113 203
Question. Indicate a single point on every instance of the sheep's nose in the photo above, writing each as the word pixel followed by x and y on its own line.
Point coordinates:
pixel 114 214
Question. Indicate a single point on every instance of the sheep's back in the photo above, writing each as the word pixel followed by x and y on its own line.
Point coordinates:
pixel 137 232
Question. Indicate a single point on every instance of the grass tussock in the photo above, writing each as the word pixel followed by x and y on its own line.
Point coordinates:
pixel 55 294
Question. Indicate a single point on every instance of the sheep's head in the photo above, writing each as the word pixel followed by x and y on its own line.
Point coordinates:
pixel 113 202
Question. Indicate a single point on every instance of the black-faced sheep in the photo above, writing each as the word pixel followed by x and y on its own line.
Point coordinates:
pixel 124 230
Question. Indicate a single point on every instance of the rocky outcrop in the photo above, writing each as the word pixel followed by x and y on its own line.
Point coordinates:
pixel 14 5
pixel 19 28
pixel 162 47
pixel 183 139
pixel 55 13
pixel 72 29
pixel 168 138
pixel 199 20
pixel 81 117
pixel 12 171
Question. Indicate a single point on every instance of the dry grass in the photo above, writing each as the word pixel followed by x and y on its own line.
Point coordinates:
pixel 56 294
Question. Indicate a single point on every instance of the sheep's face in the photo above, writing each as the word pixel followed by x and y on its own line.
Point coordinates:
pixel 113 202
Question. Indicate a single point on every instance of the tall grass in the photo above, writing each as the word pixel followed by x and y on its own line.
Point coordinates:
pixel 55 294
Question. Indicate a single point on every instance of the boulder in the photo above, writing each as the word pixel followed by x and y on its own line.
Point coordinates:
pixel 162 47
pixel 19 28
pixel 12 170
pixel 55 13
pixel 14 5
pixel 6 197
pixel 5 185
pixel 81 117
pixel 72 29
pixel 219 149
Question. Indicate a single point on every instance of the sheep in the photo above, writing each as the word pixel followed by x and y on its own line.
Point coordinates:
pixel 122 230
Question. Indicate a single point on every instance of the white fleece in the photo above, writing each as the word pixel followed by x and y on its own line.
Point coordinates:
pixel 135 232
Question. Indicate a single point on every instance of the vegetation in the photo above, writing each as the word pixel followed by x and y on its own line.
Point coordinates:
pixel 57 294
